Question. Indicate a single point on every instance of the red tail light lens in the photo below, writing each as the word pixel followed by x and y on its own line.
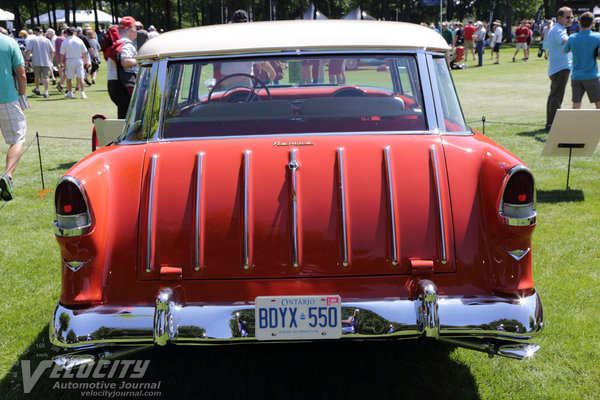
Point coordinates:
pixel 519 189
pixel 72 213
pixel 517 207
pixel 69 200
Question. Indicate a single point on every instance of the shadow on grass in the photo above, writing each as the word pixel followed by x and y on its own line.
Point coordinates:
pixel 63 166
pixel 324 370
pixel 560 196
pixel 539 135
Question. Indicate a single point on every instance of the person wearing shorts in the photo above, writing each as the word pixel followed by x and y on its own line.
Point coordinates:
pixel 522 33
pixel 41 51
pixel 469 31
pixel 585 45
pixel 12 119
pixel 496 40
pixel 74 52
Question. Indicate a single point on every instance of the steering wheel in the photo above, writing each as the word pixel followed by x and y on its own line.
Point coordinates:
pixel 241 96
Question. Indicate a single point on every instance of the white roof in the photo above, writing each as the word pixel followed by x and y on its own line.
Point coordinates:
pixel 297 34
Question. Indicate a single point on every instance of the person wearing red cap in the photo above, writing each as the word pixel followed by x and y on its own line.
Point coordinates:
pixel 121 74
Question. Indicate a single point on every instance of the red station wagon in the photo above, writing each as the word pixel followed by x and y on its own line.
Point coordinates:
pixel 262 191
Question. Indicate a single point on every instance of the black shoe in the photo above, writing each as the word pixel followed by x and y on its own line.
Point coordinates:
pixel 36 91
pixel 53 81
pixel 87 82
pixel 6 188
pixel 60 88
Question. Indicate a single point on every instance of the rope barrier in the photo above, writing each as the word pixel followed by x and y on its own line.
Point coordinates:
pixel 61 137
pixel 21 156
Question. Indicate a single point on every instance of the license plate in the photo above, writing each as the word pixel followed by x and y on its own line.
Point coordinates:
pixel 298 317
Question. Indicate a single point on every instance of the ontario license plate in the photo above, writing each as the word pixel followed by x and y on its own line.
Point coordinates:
pixel 298 317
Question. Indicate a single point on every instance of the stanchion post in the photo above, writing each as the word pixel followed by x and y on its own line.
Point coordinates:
pixel 483 124
pixel 37 137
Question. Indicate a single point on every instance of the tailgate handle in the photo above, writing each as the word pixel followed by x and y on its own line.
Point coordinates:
pixel 170 273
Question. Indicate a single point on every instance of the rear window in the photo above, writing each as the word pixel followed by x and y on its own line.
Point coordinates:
pixel 292 95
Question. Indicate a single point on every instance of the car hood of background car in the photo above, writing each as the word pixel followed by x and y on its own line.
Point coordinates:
pixel 288 35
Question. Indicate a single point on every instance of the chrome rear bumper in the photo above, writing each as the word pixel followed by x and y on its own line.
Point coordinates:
pixel 495 325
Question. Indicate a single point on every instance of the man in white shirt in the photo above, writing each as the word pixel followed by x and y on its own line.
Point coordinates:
pixel 496 40
pixel 74 53
pixel 41 51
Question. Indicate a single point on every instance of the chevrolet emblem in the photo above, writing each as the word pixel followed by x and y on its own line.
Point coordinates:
pixel 281 144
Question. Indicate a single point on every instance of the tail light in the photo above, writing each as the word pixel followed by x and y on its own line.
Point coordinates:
pixel 72 212
pixel 517 205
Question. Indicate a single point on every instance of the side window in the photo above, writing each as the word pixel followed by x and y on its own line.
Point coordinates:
pixel 452 112
pixel 134 131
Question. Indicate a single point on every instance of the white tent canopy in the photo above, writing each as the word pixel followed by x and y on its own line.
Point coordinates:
pixel 357 14
pixel 81 16
pixel 6 16
pixel 311 14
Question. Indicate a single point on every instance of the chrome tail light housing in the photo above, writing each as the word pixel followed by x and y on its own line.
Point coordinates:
pixel 517 203
pixel 71 207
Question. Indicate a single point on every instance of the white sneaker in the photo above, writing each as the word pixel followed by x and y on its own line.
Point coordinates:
pixel 83 96
pixel 69 95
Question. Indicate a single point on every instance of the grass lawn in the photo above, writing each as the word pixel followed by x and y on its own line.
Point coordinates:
pixel 566 272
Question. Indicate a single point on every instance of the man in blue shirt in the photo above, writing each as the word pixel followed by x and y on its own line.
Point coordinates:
pixel 560 63
pixel 12 119
pixel 584 76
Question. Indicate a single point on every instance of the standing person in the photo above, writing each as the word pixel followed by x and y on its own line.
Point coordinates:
pixel 121 65
pixel 479 39
pixel 469 31
pixel 51 35
pixel 447 33
pixel 559 66
pixel 543 44
pixel 152 33
pixel 94 53
pixel 142 35
pixel 584 46
pixel 57 59
pixel 74 53
pixel 41 51
pixel 459 35
pixel 12 104
pixel 87 61
pixel 522 33
pixel 496 40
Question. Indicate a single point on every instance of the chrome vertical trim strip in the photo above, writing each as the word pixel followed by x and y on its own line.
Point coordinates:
pixel 151 200
pixel 246 209
pixel 390 184
pixel 293 165
pixel 198 233
pixel 344 216
pixel 439 201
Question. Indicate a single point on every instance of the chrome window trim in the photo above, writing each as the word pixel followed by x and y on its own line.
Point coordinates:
pixel 424 65
pixel 295 52
pixel 79 230
pixel 440 127
pixel 427 94
pixel 514 221
pixel 437 91
pixel 282 135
